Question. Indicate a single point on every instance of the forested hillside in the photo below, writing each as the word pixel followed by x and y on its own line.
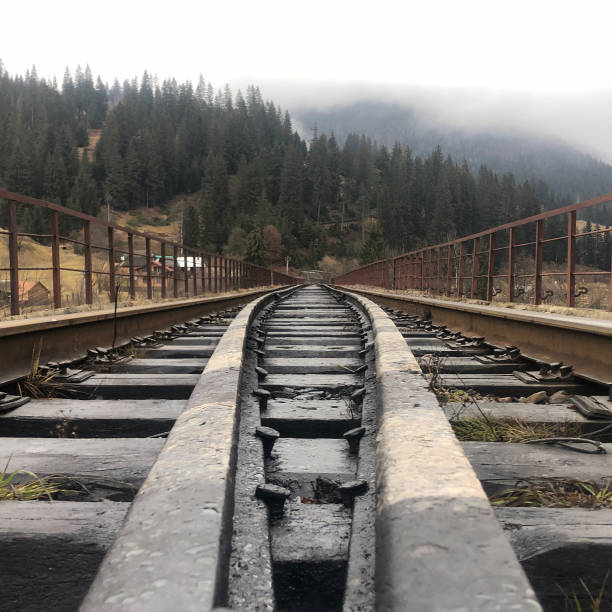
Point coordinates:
pixel 252 181
pixel 570 173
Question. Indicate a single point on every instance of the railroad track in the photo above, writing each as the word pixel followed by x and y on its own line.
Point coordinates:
pixel 95 440
pixel 310 467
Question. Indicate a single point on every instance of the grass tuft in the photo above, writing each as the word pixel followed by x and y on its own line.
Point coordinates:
pixel 38 383
pixel 556 494
pixel 573 603
pixel 491 429
pixel 33 489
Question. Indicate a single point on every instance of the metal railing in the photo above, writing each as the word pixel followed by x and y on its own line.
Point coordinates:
pixel 532 259
pixel 109 259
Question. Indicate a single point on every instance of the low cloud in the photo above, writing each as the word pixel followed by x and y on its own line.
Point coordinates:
pixel 583 120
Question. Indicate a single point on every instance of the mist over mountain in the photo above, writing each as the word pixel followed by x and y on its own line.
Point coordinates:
pixel 572 173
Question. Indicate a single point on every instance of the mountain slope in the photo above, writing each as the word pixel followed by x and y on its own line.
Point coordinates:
pixel 570 173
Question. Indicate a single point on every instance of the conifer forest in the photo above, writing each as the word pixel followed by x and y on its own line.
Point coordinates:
pixel 250 178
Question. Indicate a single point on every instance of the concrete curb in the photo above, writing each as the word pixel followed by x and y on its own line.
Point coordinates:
pixel 173 549
pixel 439 546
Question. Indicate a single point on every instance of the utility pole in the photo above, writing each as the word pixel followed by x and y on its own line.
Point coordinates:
pixel 287 264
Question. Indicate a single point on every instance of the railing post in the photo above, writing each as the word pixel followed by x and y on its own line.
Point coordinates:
pixel 225 276
pixel 439 266
pixel 422 277
pixel 131 266
pixel 162 254
pixel 185 272
pixel 88 272
pixel 571 261
pixel 410 272
pixel 149 275
pixel 393 272
pixel 538 262
pixel 216 275
pixel 449 268
pixel 14 258
pixel 475 254
pixel 195 274
pixel 461 269
pixel 490 267
pixel 55 258
pixel 111 265
pixel 208 263
pixel 511 241
pixel 203 273
pixel 175 275
pixel 611 280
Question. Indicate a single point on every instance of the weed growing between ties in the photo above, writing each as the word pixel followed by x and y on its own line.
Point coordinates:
pixel 573 603
pixel 39 382
pixel 556 494
pixel 33 489
pixel 432 365
pixel 491 429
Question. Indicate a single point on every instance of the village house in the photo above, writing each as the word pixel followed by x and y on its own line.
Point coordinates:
pixel 31 293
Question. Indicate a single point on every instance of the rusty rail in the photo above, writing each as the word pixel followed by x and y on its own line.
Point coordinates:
pixel 176 264
pixel 441 269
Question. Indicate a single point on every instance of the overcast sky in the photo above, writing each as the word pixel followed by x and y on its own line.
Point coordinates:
pixel 548 60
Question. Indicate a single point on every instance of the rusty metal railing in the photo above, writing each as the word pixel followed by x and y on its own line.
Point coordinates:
pixel 114 259
pixel 532 259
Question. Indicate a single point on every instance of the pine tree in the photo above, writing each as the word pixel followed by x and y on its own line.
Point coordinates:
pixel 191 227
pixel 255 250
pixel 291 190
pixel 214 201
pixel 84 194
pixel 374 247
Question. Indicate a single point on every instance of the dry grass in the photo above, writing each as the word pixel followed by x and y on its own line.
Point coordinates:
pixel 32 489
pixel 39 383
pixel 491 429
pixel 573 603
pixel 556 494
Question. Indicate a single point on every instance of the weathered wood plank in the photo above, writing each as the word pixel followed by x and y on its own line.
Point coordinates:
pixel 500 466
pixel 162 366
pixel 137 386
pixel 310 418
pixel 108 468
pixel 51 551
pixel 306 365
pixel 298 462
pixel 558 546
pixel 95 418
pixel 311 381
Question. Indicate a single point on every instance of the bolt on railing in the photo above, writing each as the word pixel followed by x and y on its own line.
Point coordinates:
pixel 471 266
pixel 111 261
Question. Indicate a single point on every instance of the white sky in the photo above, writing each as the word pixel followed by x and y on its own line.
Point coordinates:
pixel 550 48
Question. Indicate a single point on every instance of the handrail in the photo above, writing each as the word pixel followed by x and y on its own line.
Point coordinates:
pixel 208 272
pixel 444 264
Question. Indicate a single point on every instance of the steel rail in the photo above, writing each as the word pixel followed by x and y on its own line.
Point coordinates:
pixel 584 343
pixel 68 336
